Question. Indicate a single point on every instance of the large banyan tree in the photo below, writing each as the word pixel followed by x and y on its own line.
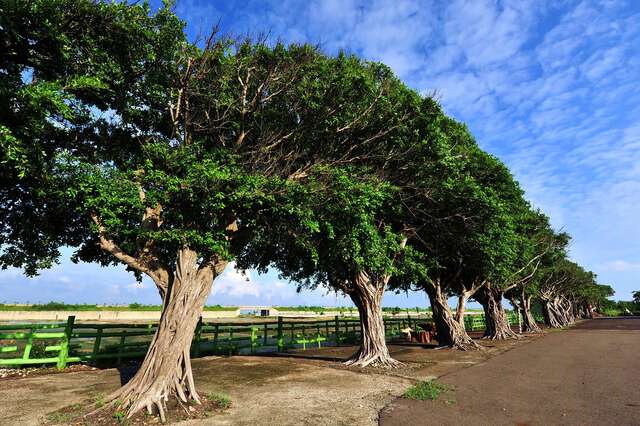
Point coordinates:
pixel 463 225
pixel 138 148
pixel 123 140
pixel 351 224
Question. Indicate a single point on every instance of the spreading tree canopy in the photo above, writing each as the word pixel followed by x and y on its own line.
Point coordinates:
pixel 122 139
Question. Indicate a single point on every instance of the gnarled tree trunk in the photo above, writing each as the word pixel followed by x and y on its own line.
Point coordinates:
pixel 528 321
pixel 166 370
pixel 497 326
pixel 554 314
pixel 461 307
pixel 450 332
pixel 367 296
pixel 517 309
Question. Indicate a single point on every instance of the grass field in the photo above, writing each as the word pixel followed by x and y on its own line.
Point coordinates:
pixel 58 306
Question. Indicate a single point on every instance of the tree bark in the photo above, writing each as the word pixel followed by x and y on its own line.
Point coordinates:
pixel 517 309
pixel 554 315
pixel 367 296
pixel 166 370
pixel 461 307
pixel 528 321
pixel 497 326
pixel 449 331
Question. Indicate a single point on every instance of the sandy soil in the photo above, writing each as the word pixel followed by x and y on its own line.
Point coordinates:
pixel 587 375
pixel 303 387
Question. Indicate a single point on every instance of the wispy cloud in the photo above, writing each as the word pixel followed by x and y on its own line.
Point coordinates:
pixel 551 87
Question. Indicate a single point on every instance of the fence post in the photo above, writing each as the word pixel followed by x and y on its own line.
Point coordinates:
pixel 123 339
pixel 215 337
pixel 196 347
pixel 27 348
pixel 96 344
pixel 64 345
pixel 265 338
pixel 280 336
pixel 254 339
pixel 337 319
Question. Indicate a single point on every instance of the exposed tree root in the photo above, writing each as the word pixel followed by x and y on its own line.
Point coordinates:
pixel 166 370
pixel 531 329
pixel 151 390
pixel 377 359
pixel 501 335
pixel 465 344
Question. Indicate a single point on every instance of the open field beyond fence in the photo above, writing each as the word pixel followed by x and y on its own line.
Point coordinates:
pixel 61 343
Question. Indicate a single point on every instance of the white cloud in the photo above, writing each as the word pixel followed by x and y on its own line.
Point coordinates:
pixel 621 266
pixel 550 87
pixel 136 287
pixel 235 283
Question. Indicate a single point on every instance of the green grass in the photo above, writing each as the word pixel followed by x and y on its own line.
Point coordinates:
pixel 59 306
pixel 221 399
pixel 423 390
pixel 119 416
pixel 65 417
pixel 313 308
pixel 99 400
pixel 60 417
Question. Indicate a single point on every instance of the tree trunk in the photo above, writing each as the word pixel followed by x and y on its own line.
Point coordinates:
pixel 589 311
pixel 497 326
pixel 550 319
pixel 528 321
pixel 553 316
pixel 166 370
pixel 367 296
pixel 518 311
pixel 450 332
pixel 461 307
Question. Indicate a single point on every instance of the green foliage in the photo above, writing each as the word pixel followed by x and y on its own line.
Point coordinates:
pixel 99 400
pixel 120 416
pixel 223 401
pixel 425 390
pixel 123 140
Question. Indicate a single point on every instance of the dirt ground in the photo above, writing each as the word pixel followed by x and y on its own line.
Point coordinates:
pixel 587 375
pixel 305 387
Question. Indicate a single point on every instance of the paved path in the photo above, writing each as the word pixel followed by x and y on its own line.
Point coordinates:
pixel 588 375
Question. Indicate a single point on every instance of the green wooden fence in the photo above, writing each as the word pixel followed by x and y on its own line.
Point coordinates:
pixel 68 342
pixel 476 322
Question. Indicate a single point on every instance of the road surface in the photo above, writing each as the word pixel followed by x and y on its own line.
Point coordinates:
pixel 587 375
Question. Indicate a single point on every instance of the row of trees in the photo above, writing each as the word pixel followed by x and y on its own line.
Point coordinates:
pixel 121 138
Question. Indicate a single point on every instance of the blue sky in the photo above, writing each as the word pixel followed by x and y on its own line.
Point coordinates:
pixel 551 87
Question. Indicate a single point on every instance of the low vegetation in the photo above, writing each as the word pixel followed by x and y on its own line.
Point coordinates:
pixel 222 400
pixel 425 390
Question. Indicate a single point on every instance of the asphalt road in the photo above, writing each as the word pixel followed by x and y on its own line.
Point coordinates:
pixel 587 375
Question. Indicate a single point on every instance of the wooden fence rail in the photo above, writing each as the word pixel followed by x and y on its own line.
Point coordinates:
pixel 68 342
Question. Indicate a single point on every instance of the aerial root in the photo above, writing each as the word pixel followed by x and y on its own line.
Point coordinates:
pixel 374 360
pixel 133 397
